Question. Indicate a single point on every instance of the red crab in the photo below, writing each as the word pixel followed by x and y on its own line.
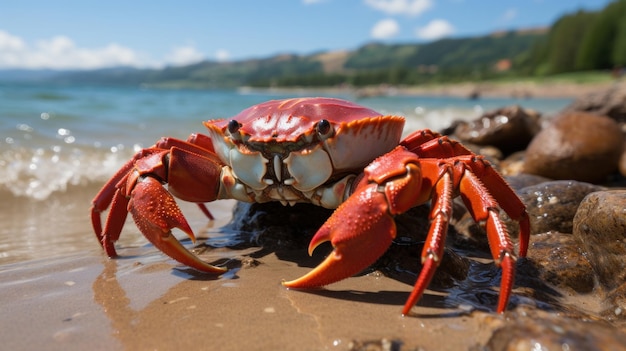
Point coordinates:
pixel 324 151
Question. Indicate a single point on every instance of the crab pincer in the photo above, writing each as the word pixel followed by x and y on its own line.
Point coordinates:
pixel 363 227
pixel 156 213
pixel 358 239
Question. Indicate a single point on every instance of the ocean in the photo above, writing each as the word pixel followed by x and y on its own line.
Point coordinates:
pixel 59 144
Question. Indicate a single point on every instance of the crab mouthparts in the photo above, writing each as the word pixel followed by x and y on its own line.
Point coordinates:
pixel 281 172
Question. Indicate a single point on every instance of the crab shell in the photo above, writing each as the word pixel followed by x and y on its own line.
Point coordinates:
pixel 301 144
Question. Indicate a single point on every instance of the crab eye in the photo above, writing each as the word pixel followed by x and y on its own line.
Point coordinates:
pixel 233 126
pixel 324 128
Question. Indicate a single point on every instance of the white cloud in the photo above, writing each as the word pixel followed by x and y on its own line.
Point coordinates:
pixel 435 29
pixel 311 2
pixel 400 7
pixel 508 15
pixel 10 42
pixel 183 55
pixel 385 29
pixel 222 55
pixel 60 52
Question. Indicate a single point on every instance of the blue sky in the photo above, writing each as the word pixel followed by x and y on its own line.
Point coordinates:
pixel 94 34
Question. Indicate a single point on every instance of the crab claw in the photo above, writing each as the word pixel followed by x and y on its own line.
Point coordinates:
pixel 360 230
pixel 155 212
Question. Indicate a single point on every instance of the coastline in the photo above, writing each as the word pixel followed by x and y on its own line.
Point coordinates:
pixel 518 89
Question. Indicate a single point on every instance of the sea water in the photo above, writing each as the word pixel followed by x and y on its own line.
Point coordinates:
pixel 55 136
pixel 59 144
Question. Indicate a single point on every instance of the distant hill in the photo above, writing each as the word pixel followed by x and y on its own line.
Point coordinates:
pixel 576 42
pixel 27 75
pixel 321 68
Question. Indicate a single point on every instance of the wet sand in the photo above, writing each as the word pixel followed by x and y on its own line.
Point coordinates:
pixel 89 302
pixel 63 293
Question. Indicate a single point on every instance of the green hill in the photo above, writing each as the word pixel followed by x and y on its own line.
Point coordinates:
pixel 577 42
pixel 327 68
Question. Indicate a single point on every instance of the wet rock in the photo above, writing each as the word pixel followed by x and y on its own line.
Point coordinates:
pixel 272 226
pixel 513 164
pixel 538 330
pixel 577 146
pixel 616 301
pixel 600 227
pixel 610 102
pixel 551 206
pixel 522 180
pixel 375 345
pixel 509 129
pixel 561 262
pixel 622 163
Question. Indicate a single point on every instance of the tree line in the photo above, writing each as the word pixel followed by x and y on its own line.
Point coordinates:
pixel 581 41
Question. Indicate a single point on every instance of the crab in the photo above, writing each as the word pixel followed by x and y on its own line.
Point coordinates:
pixel 328 152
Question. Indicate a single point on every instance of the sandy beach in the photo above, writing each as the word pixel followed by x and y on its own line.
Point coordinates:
pixel 519 89
pixel 72 297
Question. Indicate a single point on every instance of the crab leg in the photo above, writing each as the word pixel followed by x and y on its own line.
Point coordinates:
pixel 432 253
pixel 428 144
pixel 484 209
pixel 111 195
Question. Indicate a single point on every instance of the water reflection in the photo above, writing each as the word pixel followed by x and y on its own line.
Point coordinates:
pixel 157 310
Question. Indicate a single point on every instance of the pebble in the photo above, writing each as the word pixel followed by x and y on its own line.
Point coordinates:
pixel 552 205
pixel 610 102
pixel 560 262
pixel 600 227
pixel 622 163
pixel 539 330
pixel 578 146
pixel 509 129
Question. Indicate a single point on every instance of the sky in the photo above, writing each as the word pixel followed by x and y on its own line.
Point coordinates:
pixel 82 34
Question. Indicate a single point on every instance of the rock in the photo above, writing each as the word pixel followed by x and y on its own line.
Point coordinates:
pixel 539 330
pixel 509 129
pixel 552 205
pixel 272 226
pixel 622 163
pixel 513 164
pixel 384 344
pixel 610 102
pixel 522 180
pixel 616 301
pixel 577 146
pixel 600 227
pixel 561 262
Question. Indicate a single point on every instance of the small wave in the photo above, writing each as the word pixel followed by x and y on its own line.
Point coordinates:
pixel 38 173
pixel 48 96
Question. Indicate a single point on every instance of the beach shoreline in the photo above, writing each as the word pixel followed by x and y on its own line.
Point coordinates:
pixel 519 89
